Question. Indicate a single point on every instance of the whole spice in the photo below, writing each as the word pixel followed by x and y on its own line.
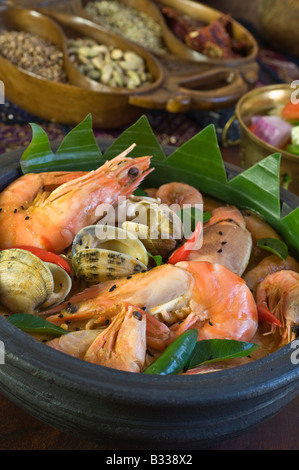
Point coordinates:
pixel 128 22
pixel 108 65
pixel 33 54
pixel 213 40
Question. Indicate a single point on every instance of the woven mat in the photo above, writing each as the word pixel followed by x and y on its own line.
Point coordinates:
pixel 170 129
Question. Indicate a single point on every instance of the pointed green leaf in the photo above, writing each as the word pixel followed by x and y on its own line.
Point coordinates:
pixel 199 161
pixel 157 258
pixel 146 142
pixel 258 187
pixel 275 246
pixel 191 216
pixel 214 350
pixel 32 324
pixel 289 229
pixel 79 149
pixel 38 151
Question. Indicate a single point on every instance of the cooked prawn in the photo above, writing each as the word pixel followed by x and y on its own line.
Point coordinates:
pixel 217 300
pixel 226 215
pixel 225 308
pixel 163 291
pixel 226 241
pixel 122 345
pixel 279 294
pixel 75 343
pixel 48 209
pixel 269 265
pixel 258 229
pixel 178 193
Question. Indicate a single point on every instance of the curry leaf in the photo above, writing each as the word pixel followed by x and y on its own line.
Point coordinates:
pixel 214 350
pixel 32 324
pixel 278 247
pixel 140 192
pixel 190 216
pixel 157 258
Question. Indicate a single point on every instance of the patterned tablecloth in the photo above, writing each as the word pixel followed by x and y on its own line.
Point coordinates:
pixel 170 129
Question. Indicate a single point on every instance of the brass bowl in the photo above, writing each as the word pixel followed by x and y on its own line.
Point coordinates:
pixel 256 102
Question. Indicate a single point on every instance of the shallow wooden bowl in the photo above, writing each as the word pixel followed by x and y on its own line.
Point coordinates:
pixel 66 103
pixel 176 47
pixel 179 84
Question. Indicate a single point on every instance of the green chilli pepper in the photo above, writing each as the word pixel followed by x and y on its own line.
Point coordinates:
pixel 176 356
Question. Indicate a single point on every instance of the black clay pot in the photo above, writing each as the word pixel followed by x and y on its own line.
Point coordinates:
pixel 140 411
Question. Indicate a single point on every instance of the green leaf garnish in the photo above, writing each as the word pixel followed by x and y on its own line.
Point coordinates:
pixel 198 162
pixel 142 135
pixel 191 216
pixel 32 324
pixel 206 217
pixel 275 246
pixel 157 258
pixel 38 152
pixel 78 151
pixel 214 350
pixel 261 184
pixel 140 192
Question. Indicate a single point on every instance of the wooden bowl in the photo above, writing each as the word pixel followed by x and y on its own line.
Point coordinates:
pixel 59 102
pixel 179 84
pixel 179 49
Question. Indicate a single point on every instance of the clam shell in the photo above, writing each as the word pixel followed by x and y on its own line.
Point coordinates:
pixel 159 217
pixel 62 285
pixel 156 225
pixel 110 238
pixel 95 265
pixel 25 281
pixel 151 239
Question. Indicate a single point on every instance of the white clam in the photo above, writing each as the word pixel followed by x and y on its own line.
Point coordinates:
pixel 156 225
pixel 27 283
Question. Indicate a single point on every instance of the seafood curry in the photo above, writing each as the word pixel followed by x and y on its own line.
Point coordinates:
pixel 138 295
